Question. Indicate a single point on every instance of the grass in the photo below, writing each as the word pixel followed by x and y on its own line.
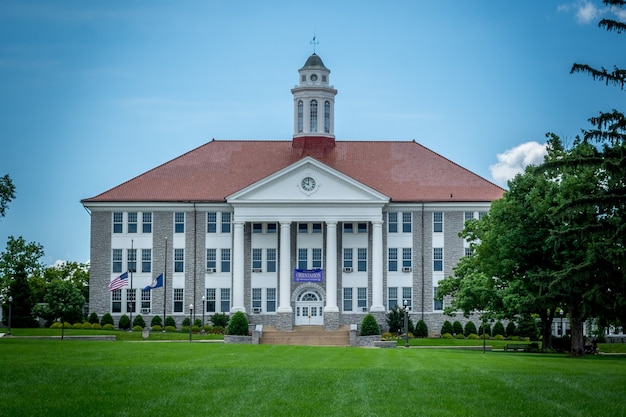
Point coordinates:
pixel 81 378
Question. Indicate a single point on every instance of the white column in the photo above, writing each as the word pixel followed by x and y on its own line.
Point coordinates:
pixel 284 272
pixel 331 266
pixel 238 264
pixel 377 266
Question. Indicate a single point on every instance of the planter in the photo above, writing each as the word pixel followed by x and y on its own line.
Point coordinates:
pixel 237 339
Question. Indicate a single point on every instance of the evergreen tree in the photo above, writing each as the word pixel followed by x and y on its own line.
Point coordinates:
pixel 238 324
pixel 369 326
pixel 421 329
pixel 470 328
pixel 457 327
pixel 107 318
pixel 447 327
pixel 22 306
pixel 156 321
pixel 498 328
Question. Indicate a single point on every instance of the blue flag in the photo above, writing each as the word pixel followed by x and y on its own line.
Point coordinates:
pixel 158 282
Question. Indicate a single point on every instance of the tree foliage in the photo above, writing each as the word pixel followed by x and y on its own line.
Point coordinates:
pixel 7 193
pixel 369 326
pixel 238 324
pixel 64 302
pixel 20 256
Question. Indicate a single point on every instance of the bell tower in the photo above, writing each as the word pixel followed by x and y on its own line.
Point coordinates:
pixel 314 104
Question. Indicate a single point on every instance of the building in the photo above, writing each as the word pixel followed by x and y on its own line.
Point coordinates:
pixel 307 231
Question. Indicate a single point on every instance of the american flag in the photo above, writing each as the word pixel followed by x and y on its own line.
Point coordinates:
pixel 119 282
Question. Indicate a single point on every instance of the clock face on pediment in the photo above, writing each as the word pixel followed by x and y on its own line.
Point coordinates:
pixel 308 184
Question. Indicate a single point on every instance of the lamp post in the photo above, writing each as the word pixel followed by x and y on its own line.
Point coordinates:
pixel 406 323
pixel 562 333
pixel 190 323
pixel 10 305
pixel 203 309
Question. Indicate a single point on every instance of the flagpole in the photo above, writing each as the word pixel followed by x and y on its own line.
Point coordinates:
pixel 165 285
pixel 132 290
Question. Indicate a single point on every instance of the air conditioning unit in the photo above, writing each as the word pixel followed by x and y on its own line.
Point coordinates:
pixel 257 269
pixel 256 310
pixel 406 269
pixel 145 311
pixel 363 309
pixel 347 269
pixel 210 270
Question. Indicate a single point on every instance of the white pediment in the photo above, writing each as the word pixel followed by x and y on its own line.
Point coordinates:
pixel 323 184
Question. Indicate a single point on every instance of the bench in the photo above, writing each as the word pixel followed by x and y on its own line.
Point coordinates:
pixel 517 347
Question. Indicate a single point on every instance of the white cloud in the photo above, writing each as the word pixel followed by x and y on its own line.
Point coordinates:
pixel 513 161
pixel 586 12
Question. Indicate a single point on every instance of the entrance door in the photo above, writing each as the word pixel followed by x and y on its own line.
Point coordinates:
pixel 309 309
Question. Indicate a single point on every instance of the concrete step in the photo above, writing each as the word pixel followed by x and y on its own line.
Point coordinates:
pixel 306 336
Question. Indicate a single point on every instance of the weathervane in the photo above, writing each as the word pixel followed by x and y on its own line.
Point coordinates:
pixel 314 42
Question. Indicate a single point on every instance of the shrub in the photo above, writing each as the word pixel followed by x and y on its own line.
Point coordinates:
pixel 527 327
pixel 138 321
pixel 369 326
pixel 169 321
pixel 460 336
pixel 421 329
pixel 238 324
pixel 219 319
pixel 186 322
pixel 484 336
pixel 395 320
pixel 486 328
pixel 457 327
pixel 447 335
pixel 87 325
pixel 108 326
pixel 472 336
pixel 67 325
pixel 470 328
pixel 156 321
pixel 195 329
pixel 185 329
pixel 96 326
pixel 124 323
pixel 156 328
pixel 498 329
pixel 56 325
pixel 170 329
pixel 107 318
pixel 510 329
pixel 137 328
pixel 498 337
pixel 93 318
pixel 446 328
pixel 218 330
pixel 197 323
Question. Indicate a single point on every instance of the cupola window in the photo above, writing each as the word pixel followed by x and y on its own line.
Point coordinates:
pixel 313 116
pixel 300 116
pixel 327 116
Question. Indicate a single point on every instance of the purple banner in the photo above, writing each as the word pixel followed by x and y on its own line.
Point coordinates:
pixel 308 275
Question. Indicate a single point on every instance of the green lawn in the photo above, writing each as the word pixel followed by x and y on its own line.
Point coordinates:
pixel 125 378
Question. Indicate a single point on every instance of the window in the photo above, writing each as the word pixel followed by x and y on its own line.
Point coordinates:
pixel 225 222
pixel 211 259
pixel 313 116
pixel 257 228
pixel 348 228
pixel 437 259
pixel 178 300
pixel 362 259
pixel 225 260
pixel 468 252
pixel 146 260
pixel 361 227
pixel 317 227
pixel 317 258
pixel 392 222
pixel 116 261
pixel 132 260
pixel 406 258
pixel 118 222
pixel 271 260
pixel 437 222
pixel 303 261
pixel 407 294
pixel 145 300
pixel 393 297
pixel 393 259
pixel 116 301
pixel 132 222
pixel 468 215
pixel 130 300
pixel 407 220
pixel 271 228
pixel 179 222
pixel 271 300
pixel 347 257
pixel 146 223
pixel 210 300
pixel 347 299
pixel 438 305
pixel 225 300
pixel 256 299
pixel 179 260
pixel 211 222
pixel 327 116
pixel 257 260
pixel 300 115
pixel 362 298
pixel 303 228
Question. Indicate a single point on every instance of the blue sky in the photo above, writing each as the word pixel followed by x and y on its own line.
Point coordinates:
pixel 94 93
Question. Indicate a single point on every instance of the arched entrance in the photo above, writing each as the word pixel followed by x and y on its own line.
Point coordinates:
pixel 309 308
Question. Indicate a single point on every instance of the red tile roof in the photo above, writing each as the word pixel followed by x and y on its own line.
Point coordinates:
pixel 405 171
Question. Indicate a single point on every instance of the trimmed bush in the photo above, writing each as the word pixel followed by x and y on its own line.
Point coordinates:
pixel 369 326
pixel 138 321
pixel 472 336
pixel 87 325
pixel 510 329
pixel 77 326
pixel 156 328
pixel 460 336
pixel 186 322
pixel 195 329
pixel 238 325
pixel 108 326
pixel 395 320
pixel 197 323
pixel 457 327
pixel 498 337
pixel 487 330
pixel 137 328
pixel 156 321
pixel 170 329
pixel 421 329
pixel 484 336
pixel 56 325
pixel 185 329
pixel 67 325
pixel 96 326
pixel 446 328
pixel 124 323
pixel 447 335
pixel 107 318
pixel 219 320
pixel 470 328
pixel 169 321
pixel 93 318
pixel 498 329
